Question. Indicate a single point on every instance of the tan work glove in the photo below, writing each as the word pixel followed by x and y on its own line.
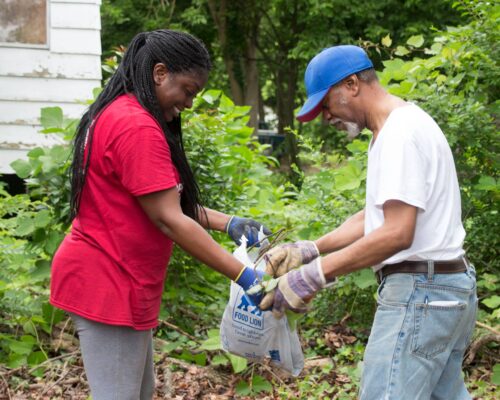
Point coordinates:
pixel 281 259
pixel 295 289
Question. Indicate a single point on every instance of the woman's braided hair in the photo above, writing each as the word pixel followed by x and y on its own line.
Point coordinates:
pixel 181 53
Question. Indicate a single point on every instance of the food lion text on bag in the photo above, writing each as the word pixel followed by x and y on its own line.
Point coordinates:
pixel 252 318
pixel 249 332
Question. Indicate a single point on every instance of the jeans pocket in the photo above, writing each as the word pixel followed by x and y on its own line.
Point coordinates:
pixel 435 325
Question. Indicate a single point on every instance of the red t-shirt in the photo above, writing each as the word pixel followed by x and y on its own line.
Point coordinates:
pixel 111 267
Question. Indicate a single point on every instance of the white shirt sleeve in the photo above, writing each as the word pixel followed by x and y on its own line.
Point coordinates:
pixel 402 171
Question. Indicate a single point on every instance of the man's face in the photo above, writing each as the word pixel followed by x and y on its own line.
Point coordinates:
pixel 175 92
pixel 337 110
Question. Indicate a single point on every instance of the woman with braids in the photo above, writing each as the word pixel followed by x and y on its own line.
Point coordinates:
pixel 133 195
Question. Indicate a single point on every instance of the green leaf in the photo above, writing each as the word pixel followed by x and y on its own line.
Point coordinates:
pixel 386 40
pixel 271 284
pixel 37 357
pixel 52 315
pixel 96 92
pixel 25 226
pixel 22 168
pixel 20 346
pixel 211 96
pixel 200 359
pixel 169 347
pixel 255 289
pixel 42 270
pixel 238 363
pixel 60 154
pixel 260 384
pixel 52 242
pixel 29 327
pixel 415 41
pixel 401 51
pixel 36 152
pixel 212 343
pixel 213 333
pixel 495 377
pixel 348 177
pixel 487 183
pixel 364 278
pixel 42 218
pixel 219 359
pixel 226 105
pixel 492 302
pixel 52 117
pixel 293 318
pixel 48 163
pixel 52 130
pixel 395 69
pixel 16 360
pixel 243 388
pixel 435 48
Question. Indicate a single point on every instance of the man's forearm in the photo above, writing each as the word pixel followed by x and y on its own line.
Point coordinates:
pixel 395 235
pixel 367 251
pixel 350 231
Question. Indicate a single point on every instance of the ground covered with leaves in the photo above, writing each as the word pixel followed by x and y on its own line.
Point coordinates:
pixel 63 376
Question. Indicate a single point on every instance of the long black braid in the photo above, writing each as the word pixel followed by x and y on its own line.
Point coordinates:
pixel 181 53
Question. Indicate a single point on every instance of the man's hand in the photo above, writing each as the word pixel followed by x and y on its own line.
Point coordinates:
pixel 295 289
pixel 237 227
pixel 281 259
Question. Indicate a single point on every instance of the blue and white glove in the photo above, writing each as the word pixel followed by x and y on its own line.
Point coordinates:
pixel 247 278
pixel 237 227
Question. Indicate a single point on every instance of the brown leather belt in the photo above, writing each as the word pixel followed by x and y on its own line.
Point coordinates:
pixel 422 267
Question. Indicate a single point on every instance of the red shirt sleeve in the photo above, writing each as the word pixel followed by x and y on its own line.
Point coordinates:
pixel 140 157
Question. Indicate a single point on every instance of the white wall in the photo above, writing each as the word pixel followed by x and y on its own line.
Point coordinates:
pixel 64 73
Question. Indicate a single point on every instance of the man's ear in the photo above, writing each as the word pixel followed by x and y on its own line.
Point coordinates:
pixel 352 84
pixel 160 73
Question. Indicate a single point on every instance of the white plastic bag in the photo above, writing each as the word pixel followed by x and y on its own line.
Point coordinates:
pixel 247 331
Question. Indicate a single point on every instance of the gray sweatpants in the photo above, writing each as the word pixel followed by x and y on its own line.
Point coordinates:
pixel 118 360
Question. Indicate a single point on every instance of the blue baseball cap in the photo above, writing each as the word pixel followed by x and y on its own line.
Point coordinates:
pixel 325 70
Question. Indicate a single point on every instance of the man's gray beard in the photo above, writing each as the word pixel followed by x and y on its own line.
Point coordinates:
pixel 352 129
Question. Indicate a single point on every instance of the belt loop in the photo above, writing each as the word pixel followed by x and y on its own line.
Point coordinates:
pixel 468 265
pixel 430 270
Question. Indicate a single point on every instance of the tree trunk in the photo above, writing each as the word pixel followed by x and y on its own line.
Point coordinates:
pixel 218 11
pixel 262 112
pixel 285 95
pixel 252 81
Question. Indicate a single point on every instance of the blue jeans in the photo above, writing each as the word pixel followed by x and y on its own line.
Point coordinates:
pixel 421 329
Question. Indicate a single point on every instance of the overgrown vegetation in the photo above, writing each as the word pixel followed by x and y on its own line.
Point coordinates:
pixel 455 78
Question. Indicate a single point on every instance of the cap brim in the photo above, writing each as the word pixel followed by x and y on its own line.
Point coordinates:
pixel 312 107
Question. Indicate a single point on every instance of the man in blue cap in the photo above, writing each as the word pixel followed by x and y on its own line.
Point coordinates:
pixel 410 232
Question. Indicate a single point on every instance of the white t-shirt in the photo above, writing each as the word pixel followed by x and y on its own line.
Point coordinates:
pixel 411 161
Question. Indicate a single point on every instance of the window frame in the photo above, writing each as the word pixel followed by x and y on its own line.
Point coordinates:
pixel 44 46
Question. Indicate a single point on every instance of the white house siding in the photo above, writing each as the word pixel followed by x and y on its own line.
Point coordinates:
pixel 63 73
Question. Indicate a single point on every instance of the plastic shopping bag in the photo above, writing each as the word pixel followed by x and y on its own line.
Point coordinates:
pixel 249 332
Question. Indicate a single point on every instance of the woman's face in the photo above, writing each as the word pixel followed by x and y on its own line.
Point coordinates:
pixel 176 91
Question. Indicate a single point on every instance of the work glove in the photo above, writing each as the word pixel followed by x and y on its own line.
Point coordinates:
pixel 237 227
pixel 295 289
pixel 247 278
pixel 281 259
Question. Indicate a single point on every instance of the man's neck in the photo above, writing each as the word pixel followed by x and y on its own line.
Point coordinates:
pixel 381 105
